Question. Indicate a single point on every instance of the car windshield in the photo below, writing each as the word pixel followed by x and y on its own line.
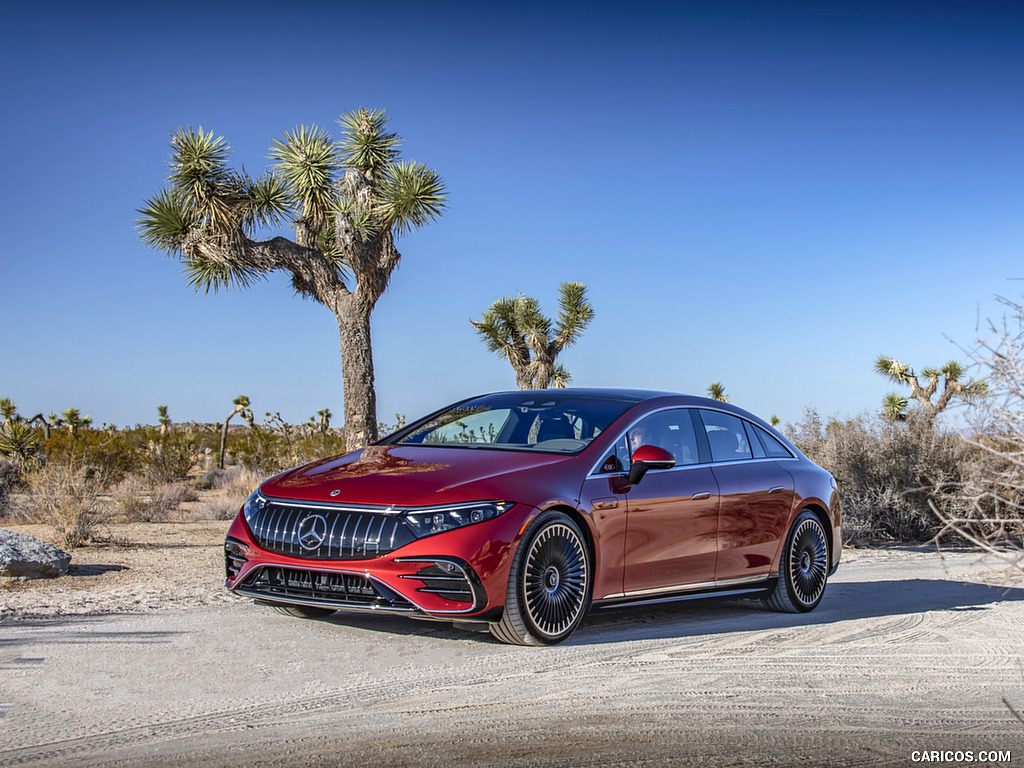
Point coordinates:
pixel 520 421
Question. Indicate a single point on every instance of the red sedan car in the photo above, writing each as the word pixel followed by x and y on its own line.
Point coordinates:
pixel 522 511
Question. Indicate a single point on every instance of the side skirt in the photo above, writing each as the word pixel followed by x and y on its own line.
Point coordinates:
pixel 762 588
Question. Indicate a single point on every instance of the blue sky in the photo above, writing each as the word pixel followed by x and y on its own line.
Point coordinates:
pixel 764 194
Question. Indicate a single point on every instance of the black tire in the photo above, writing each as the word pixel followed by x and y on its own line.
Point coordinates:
pixel 548 586
pixel 304 611
pixel 804 567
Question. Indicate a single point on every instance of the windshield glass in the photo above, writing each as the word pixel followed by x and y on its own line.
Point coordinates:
pixel 521 421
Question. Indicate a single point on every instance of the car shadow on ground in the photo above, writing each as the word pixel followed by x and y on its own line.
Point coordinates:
pixel 843 602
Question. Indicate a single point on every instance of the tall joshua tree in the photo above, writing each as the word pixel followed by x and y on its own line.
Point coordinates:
pixel 518 331
pixel 347 201
pixel 925 386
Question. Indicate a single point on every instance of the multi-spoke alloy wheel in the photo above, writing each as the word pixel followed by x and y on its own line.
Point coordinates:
pixel 549 585
pixel 804 567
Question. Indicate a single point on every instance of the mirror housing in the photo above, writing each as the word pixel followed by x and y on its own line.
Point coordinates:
pixel 648 457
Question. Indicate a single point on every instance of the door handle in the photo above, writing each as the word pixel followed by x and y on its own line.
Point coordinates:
pixel 701 495
pixel 776 489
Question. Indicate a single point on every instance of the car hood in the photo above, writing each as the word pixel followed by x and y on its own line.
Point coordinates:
pixel 417 476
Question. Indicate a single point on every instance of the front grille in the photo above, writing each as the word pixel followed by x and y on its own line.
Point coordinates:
pixel 347 533
pixel 322 587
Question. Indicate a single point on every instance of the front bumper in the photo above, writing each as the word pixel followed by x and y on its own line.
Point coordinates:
pixel 459 573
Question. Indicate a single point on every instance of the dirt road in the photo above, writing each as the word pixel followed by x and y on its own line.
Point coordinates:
pixel 907 653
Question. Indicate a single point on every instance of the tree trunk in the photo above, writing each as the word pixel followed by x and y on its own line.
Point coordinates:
pixel 357 375
pixel 224 439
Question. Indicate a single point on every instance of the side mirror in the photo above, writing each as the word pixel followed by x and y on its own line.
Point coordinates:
pixel 649 457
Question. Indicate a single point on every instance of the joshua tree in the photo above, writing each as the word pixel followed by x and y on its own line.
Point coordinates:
pixel 322 420
pixel 515 328
pixel 40 419
pixel 8 410
pixel 73 420
pixel 924 387
pixel 347 200
pixel 165 420
pixel 241 406
pixel 716 391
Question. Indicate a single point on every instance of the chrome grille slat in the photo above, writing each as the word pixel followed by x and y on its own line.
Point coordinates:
pixel 350 533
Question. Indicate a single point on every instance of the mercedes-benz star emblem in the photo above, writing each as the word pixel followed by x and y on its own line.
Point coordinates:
pixel 312 531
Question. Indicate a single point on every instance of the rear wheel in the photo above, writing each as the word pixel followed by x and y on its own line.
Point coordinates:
pixel 804 567
pixel 548 585
pixel 304 611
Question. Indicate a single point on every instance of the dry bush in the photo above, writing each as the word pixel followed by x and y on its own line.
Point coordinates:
pixel 231 488
pixel 168 499
pixel 886 470
pixel 987 508
pixel 130 497
pixel 67 496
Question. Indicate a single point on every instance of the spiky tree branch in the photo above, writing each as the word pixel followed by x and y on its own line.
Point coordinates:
pixel 924 387
pixel 517 330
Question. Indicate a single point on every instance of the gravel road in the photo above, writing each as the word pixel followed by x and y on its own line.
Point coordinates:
pixel 907 652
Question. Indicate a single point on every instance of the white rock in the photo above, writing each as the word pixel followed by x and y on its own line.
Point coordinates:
pixel 23 557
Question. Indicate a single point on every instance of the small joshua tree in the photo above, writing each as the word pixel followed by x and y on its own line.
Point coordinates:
pixel 716 391
pixel 518 331
pixel 925 386
pixel 8 410
pixel 241 407
pixel 165 420
pixel 72 419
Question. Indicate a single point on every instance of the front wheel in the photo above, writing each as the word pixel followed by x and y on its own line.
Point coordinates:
pixel 548 585
pixel 804 567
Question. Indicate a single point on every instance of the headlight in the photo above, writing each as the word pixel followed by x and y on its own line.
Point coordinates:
pixel 253 504
pixel 426 522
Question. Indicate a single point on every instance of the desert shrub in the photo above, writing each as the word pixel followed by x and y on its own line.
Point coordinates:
pixel 19 443
pixel 886 470
pixel 207 479
pixel 130 497
pixel 170 456
pixel 67 496
pixel 107 453
pixel 232 486
pixel 167 499
pixel 260 449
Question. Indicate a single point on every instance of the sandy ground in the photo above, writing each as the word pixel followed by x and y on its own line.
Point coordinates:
pixel 140 658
